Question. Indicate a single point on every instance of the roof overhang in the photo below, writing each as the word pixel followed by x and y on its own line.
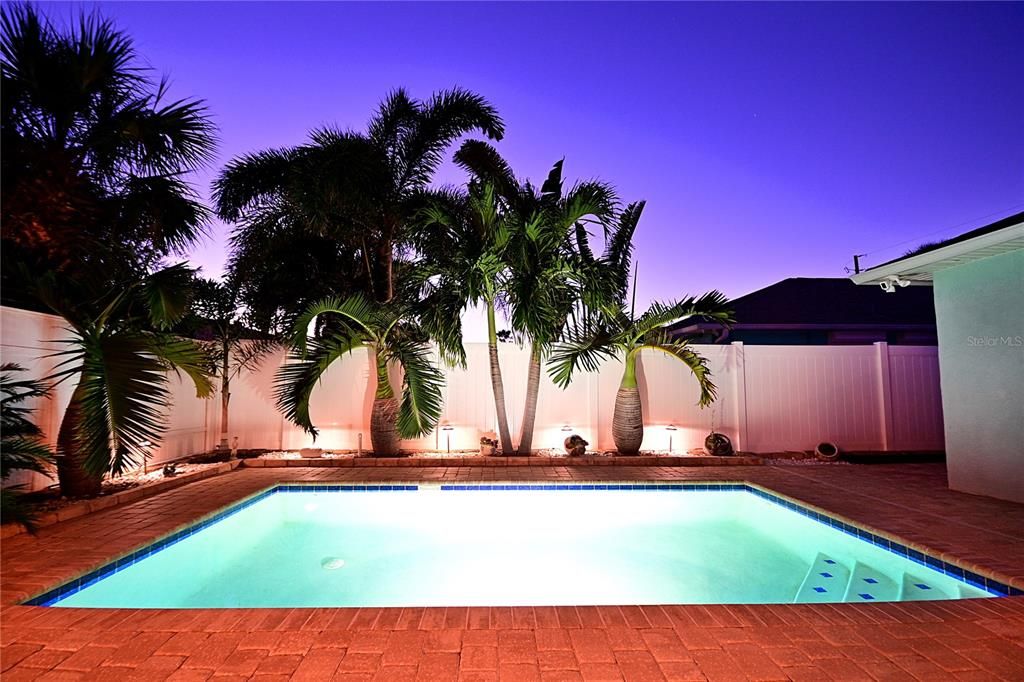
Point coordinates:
pixel 920 269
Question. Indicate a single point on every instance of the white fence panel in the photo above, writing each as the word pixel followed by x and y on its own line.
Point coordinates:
pixel 770 398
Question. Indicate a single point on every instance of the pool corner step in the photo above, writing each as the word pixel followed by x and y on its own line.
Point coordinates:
pixel 826 581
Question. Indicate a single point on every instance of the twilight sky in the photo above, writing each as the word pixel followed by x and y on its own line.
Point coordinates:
pixel 770 140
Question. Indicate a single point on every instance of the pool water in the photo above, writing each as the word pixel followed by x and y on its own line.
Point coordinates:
pixel 459 547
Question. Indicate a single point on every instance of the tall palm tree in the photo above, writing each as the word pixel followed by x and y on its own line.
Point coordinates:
pixel 360 189
pixel 21 441
pixel 548 279
pixel 390 337
pixel 545 276
pixel 618 332
pixel 463 238
pixel 119 354
pixel 94 152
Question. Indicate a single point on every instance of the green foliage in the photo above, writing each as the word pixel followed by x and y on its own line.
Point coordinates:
pixel 94 153
pixel 120 355
pixel 387 331
pixel 21 446
pixel 340 208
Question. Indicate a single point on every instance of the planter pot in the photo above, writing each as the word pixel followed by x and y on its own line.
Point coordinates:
pixel 488 450
pixel 718 445
pixel 827 451
pixel 310 453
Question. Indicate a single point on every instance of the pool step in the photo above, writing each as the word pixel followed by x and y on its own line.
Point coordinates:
pixel 826 581
pixel 870 584
pixel 920 589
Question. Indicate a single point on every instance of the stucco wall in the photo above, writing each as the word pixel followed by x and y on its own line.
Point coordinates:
pixel 980 313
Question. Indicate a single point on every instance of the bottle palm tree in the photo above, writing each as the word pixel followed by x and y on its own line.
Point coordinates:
pixel 94 153
pixel 617 332
pixel 361 189
pixel 119 354
pixel 385 330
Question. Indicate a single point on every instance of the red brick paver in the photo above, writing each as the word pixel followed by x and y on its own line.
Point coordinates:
pixel 970 639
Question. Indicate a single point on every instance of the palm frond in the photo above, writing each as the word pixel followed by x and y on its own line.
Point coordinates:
pixel 697 363
pixel 21 446
pixel 166 294
pixel 422 388
pixel 356 310
pixel 184 355
pixel 484 163
pixel 250 180
pixel 296 379
pixel 123 397
pixel 584 349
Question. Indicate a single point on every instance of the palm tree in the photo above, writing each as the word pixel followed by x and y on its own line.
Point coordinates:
pixel 362 190
pixel 463 237
pixel 21 441
pixel 548 278
pixel 615 331
pixel 215 319
pixel 94 152
pixel 119 355
pixel 544 276
pixel 390 337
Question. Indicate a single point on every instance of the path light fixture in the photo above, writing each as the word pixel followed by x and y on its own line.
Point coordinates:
pixel 670 428
pixel 448 428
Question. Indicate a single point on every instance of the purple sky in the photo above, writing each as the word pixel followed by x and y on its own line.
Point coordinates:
pixel 770 140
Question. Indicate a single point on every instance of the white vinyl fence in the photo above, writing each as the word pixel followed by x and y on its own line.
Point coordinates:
pixel 771 398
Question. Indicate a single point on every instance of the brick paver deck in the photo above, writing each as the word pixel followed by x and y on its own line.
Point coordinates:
pixel 979 639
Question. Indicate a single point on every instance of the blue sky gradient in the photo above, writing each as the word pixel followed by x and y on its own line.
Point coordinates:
pixel 770 140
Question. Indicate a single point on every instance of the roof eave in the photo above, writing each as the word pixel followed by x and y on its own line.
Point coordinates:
pixel 920 268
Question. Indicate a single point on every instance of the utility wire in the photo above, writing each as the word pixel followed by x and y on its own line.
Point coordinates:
pixel 945 229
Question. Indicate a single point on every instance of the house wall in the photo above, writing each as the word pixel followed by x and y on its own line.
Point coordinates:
pixel 771 399
pixel 980 313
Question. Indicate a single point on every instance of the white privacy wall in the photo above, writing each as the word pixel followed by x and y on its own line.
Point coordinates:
pixel 771 398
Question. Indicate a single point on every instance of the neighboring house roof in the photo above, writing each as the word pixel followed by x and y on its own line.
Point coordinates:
pixel 824 303
pixel 918 267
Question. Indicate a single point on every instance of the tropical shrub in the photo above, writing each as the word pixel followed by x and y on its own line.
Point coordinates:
pixel 21 441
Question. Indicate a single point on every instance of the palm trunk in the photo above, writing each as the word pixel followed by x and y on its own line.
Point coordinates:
pixel 628 418
pixel 384 288
pixel 225 397
pixel 75 480
pixel 530 409
pixel 384 438
pixel 496 384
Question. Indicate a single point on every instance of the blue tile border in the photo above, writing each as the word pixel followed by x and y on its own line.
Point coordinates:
pixel 70 587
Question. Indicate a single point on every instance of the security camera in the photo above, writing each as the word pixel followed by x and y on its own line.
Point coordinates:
pixel 890 283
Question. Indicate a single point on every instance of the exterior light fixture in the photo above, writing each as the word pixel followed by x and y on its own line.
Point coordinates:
pixel 670 428
pixel 448 428
pixel 145 455
pixel 567 428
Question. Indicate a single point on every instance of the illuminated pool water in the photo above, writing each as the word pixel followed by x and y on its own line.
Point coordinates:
pixel 456 546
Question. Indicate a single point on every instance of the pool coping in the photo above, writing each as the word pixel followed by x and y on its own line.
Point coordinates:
pixel 990 581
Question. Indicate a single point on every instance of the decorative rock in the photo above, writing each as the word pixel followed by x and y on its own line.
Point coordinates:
pixel 575 445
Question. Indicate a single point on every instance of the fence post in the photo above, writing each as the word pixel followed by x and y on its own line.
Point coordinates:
pixel 740 389
pixel 884 394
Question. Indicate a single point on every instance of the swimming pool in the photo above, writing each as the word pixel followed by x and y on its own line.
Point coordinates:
pixel 517 544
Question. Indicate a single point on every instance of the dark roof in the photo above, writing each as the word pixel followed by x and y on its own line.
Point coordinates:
pixel 831 301
pixel 977 232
